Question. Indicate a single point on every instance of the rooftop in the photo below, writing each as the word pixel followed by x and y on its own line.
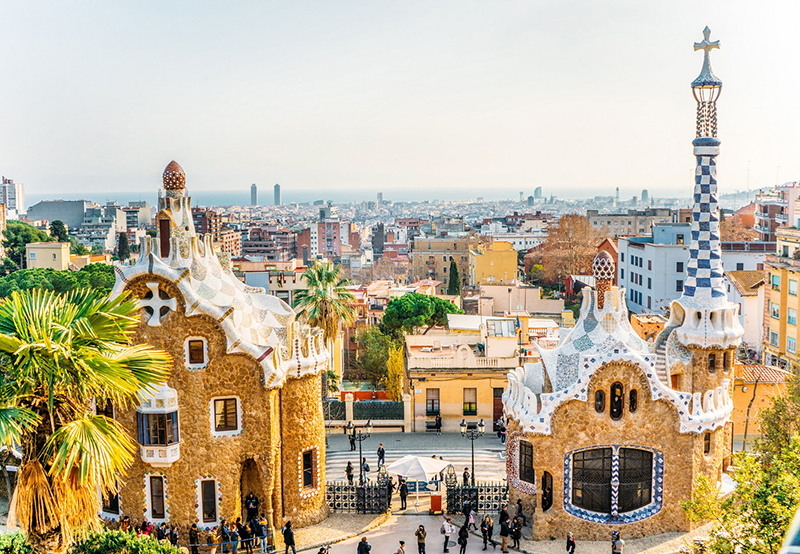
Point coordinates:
pixel 747 282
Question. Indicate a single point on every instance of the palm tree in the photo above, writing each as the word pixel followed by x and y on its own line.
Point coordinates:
pixel 326 302
pixel 58 353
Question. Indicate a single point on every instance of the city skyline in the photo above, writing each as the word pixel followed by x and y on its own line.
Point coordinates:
pixel 382 98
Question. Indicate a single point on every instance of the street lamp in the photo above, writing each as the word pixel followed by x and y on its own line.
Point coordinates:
pixel 472 434
pixel 361 436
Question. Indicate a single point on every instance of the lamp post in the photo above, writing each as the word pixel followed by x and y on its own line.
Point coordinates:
pixel 360 436
pixel 472 434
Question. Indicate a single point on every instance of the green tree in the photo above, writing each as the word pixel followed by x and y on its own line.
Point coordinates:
pixel 779 422
pixel 536 274
pixel 99 277
pixel 395 371
pixel 58 353
pixel 123 249
pixel 76 248
pixel 374 355
pixel 58 231
pixel 408 313
pixel 17 235
pixel 454 284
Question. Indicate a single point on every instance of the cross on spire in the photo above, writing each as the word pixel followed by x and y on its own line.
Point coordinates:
pixel 706 45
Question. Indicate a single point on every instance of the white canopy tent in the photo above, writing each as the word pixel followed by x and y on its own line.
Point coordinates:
pixel 417 468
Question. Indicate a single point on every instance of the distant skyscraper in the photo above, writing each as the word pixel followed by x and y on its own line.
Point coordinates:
pixel 531 201
pixel 616 196
pixel 380 198
pixel 645 196
pixel 521 196
pixel 12 195
pixel 537 192
pixel 253 195
pixel 277 195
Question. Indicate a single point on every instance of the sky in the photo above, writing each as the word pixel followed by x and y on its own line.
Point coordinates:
pixel 577 97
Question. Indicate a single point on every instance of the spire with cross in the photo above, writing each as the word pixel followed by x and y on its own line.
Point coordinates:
pixel 706 77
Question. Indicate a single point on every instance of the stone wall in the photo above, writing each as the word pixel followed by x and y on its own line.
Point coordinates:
pixel 576 425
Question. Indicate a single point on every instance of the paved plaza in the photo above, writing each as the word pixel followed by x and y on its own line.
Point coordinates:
pixel 490 462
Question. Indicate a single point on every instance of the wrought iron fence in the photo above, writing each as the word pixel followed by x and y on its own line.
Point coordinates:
pixel 333 410
pixel 485 498
pixel 377 409
pixel 366 499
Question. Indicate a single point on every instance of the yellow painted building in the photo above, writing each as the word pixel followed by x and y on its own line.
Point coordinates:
pixel 431 257
pixel 494 262
pixel 782 302
pixel 47 255
pixel 754 387
pixel 461 375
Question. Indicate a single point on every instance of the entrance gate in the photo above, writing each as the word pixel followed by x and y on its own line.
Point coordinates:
pixel 485 497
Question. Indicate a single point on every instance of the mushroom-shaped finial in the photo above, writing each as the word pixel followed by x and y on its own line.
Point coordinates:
pixel 603 266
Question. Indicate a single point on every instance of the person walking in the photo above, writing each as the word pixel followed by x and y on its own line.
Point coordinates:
pixel 465 475
pixel 402 549
pixel 570 543
pixel 365 469
pixel 617 544
pixel 487 528
pixel 194 539
pixel 352 438
pixel 233 533
pixel 173 536
pixel 381 455
pixel 463 535
pixel 363 546
pixel 520 513
pixel 516 533
pixel 504 513
pixel 504 533
pixel 224 536
pixel 288 538
pixel 420 533
pixel 403 494
pixel 447 530
pixel 502 434
pixel 471 519
pixel 348 471
pixel 262 522
pixel 438 424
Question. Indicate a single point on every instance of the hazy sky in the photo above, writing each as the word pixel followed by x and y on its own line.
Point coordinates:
pixel 574 96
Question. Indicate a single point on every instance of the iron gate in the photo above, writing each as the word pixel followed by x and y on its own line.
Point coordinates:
pixel 362 499
pixel 485 497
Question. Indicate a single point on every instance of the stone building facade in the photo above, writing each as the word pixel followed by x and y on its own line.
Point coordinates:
pixel 240 411
pixel 609 432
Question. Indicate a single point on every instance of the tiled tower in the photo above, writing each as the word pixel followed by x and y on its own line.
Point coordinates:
pixel 703 315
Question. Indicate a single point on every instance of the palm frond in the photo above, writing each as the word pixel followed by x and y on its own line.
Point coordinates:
pixel 14 422
pixel 97 449
pixel 34 506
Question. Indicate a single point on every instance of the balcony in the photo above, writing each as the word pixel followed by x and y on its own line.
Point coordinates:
pixel 160 456
pixel 783 218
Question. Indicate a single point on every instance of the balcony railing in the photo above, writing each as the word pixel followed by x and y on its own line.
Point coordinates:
pixel 782 217
pixel 160 456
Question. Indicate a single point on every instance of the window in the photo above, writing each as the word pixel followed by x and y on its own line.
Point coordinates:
pixel 195 352
pixel 635 478
pixel 706 443
pixel 470 401
pixel 157 429
pixel 599 401
pixel 739 267
pixel 526 472
pixel 226 414
pixel 616 402
pixel 157 510
pixel 591 480
pixel 679 239
pixel 679 285
pixel 649 283
pixel 432 402
pixel 773 338
pixel 105 408
pixel 621 274
pixel 776 282
pixel 792 287
pixel 308 469
pixel 622 256
pixel 791 316
pixel 725 360
pixel 54 257
pixel 712 363
pixel 650 265
pixel 775 310
pixel 208 496
pixel 111 503
pixel 547 491
pixel 679 267
pixel 633 400
pixel 791 345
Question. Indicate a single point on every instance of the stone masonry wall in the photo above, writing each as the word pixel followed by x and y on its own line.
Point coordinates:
pixel 576 425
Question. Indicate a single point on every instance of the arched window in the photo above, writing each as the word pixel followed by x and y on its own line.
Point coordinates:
pixel 712 363
pixel 600 401
pixel 633 400
pixel 547 491
pixel 725 360
pixel 707 443
pixel 635 478
pixel 591 480
pixel 617 401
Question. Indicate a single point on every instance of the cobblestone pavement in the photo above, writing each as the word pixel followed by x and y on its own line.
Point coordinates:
pixel 335 528
pixel 490 464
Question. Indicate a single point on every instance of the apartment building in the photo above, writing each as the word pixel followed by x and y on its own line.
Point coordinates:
pixel 431 256
pixel 634 222
pixel 775 208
